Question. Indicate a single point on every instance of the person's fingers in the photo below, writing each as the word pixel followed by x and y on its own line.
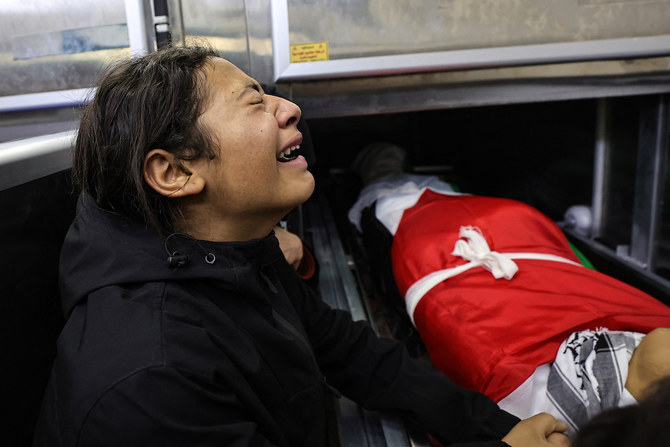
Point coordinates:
pixel 536 431
pixel 291 245
pixel 559 440
pixel 552 424
pixel 549 423
pixel 561 426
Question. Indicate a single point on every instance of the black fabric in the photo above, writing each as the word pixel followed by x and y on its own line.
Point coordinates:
pixel 233 352
pixel 378 242
pixel 35 218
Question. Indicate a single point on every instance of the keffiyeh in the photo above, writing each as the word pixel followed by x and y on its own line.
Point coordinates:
pixel 589 374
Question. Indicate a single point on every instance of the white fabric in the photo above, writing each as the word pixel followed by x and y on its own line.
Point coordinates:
pixel 390 208
pixel 397 192
pixel 589 374
pixel 627 399
pixel 476 250
pixel 531 397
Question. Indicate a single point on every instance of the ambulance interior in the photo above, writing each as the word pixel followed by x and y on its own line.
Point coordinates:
pixel 555 118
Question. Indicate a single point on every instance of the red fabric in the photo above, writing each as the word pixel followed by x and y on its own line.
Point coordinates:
pixel 489 335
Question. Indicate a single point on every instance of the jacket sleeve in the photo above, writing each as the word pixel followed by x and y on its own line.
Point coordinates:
pixel 379 374
pixel 166 407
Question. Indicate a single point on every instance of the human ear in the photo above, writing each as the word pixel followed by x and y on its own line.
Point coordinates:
pixel 167 176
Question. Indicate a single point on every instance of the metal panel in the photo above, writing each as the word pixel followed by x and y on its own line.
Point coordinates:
pixel 461 86
pixel 336 282
pixel 393 27
pixel 33 158
pixel 456 89
pixel 600 165
pixel 650 178
pixel 383 38
pixel 70 42
pixel 260 40
pixel 220 23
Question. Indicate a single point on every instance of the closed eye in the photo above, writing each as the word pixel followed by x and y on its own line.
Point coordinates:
pixel 252 88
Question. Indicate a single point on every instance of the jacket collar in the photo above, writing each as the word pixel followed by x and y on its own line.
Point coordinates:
pixel 103 248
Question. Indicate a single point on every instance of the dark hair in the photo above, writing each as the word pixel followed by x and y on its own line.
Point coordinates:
pixel 143 103
pixel 644 425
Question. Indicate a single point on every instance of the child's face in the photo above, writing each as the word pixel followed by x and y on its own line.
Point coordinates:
pixel 250 179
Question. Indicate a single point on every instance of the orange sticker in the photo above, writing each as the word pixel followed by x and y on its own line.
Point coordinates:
pixel 309 52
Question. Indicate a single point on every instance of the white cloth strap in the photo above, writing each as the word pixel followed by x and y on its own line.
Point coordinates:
pixel 473 247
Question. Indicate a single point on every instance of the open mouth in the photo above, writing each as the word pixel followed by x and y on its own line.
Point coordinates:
pixel 289 154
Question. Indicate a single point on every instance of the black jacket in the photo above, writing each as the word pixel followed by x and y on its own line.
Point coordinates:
pixel 224 346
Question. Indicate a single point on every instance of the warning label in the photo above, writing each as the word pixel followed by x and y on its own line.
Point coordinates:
pixel 309 52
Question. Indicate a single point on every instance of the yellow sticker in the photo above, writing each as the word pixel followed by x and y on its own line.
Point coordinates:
pixel 309 52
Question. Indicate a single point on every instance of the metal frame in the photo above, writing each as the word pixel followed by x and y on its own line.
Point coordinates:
pixel 284 70
pixel 652 152
pixel 139 18
pixel 33 158
pixel 600 166
pixel 45 100
pixel 654 137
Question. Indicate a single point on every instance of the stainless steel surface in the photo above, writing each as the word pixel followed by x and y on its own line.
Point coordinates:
pixel 239 29
pixel 45 100
pixel 33 158
pixel 65 58
pixel 139 19
pixel 242 31
pixel 259 32
pixel 221 24
pixel 601 152
pixel 396 434
pixel 392 27
pixel 468 59
pixel 336 282
pixel 463 87
pixel 80 40
pixel 176 21
pixel 21 125
pixel 445 90
pixel 650 178
pixel 400 36
pixel 35 20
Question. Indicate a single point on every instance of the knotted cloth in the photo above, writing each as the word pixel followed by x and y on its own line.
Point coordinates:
pixel 473 247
